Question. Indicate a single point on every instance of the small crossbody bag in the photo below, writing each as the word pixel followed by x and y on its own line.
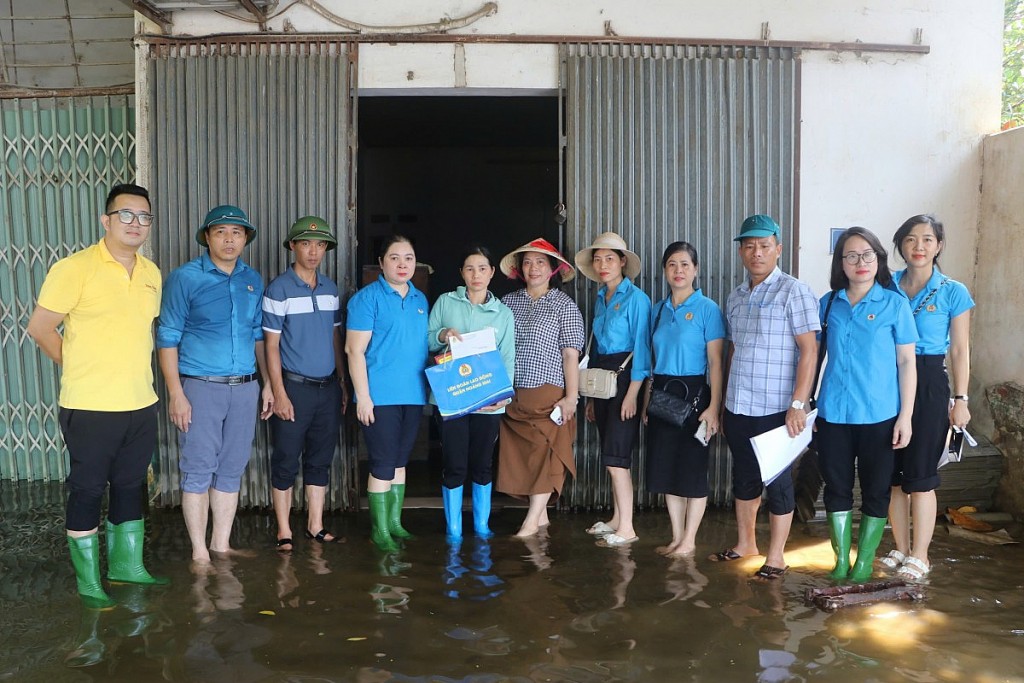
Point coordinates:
pixel 598 382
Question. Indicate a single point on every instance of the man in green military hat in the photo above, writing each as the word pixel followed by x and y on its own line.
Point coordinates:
pixel 302 331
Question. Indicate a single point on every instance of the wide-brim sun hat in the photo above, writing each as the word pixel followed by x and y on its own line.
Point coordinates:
pixel 226 214
pixel 310 228
pixel 607 240
pixel 540 245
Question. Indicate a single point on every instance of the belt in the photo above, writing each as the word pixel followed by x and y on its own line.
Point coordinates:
pixel 231 380
pixel 312 381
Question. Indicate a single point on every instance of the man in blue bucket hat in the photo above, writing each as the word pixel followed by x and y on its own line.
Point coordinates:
pixel 210 344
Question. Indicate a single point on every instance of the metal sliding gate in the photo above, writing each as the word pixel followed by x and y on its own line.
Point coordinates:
pixel 674 142
pixel 267 125
pixel 59 157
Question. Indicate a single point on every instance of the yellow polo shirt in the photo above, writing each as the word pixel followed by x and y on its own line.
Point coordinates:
pixel 108 329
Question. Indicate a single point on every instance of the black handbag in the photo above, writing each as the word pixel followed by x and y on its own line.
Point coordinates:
pixel 674 409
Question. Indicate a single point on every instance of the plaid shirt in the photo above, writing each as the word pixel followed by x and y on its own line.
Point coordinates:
pixel 544 327
pixel 762 324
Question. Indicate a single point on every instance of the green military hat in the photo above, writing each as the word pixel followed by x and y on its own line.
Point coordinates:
pixel 311 228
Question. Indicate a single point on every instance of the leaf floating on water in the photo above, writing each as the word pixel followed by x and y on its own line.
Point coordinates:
pixel 964 520
pixel 268 612
pixel 355 639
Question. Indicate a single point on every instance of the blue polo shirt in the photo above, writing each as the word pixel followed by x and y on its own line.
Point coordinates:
pixel 860 384
pixel 681 334
pixel 933 320
pixel 622 325
pixel 397 353
pixel 214 319
pixel 305 318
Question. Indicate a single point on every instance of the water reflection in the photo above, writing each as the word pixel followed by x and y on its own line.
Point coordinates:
pixel 475 580
pixel 554 607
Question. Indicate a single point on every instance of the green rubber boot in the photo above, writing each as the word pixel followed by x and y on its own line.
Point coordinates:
pixel 871 529
pixel 124 554
pixel 396 496
pixel 380 535
pixel 85 558
pixel 840 526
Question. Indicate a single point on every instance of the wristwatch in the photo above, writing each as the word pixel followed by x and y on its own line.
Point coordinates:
pixel 960 397
pixel 799 405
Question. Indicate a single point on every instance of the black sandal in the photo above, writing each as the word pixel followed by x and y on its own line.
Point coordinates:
pixel 321 537
pixel 284 542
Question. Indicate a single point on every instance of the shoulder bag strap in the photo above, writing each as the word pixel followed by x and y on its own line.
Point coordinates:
pixel 822 346
pixel 932 293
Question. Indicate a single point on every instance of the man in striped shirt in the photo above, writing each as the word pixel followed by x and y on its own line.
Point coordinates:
pixel 302 331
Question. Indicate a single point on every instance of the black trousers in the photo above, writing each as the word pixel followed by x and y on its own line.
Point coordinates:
pixel 468 448
pixel 107 448
pixel 868 448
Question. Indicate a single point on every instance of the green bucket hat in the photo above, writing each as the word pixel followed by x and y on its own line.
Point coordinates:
pixel 759 225
pixel 310 228
pixel 226 215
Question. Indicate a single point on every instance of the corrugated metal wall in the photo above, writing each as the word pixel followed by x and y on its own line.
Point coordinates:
pixel 59 158
pixel 669 142
pixel 267 126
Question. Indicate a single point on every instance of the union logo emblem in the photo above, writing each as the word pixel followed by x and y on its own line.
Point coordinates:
pixel 465 370
pixel 931 308
pixel 689 316
pixel 871 316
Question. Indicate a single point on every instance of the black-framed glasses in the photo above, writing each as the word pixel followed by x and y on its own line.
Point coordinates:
pixel 126 216
pixel 853 258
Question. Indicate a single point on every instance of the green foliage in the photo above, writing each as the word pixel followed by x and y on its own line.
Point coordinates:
pixel 1013 64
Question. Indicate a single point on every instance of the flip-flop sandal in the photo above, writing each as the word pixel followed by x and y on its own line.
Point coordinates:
pixel 894 560
pixel 727 555
pixel 281 542
pixel 321 536
pixel 769 573
pixel 600 529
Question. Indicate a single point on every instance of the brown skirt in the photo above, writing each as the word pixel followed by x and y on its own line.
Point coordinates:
pixel 534 453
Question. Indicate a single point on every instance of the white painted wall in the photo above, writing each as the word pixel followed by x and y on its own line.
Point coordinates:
pixel 884 136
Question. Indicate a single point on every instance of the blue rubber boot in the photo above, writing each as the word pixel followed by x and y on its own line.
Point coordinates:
pixel 840 526
pixel 482 509
pixel 453 512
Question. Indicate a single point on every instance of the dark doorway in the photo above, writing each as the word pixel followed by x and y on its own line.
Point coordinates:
pixel 448 172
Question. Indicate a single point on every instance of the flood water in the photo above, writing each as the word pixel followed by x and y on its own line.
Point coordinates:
pixel 553 608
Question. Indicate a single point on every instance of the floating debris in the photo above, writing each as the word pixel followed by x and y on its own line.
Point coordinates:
pixel 834 597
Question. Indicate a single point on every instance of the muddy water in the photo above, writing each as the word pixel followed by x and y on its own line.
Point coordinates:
pixel 554 608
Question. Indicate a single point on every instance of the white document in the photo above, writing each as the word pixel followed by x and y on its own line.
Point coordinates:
pixel 473 343
pixel 776 449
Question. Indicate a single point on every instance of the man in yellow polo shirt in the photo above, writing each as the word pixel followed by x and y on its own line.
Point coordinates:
pixel 106 297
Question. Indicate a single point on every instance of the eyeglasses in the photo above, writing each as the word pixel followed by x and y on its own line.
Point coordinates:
pixel 853 258
pixel 126 216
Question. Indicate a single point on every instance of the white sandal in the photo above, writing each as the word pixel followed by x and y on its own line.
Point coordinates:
pixel 600 529
pixel 894 560
pixel 913 569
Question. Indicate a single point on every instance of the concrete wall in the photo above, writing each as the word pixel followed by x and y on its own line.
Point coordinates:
pixel 884 136
pixel 999 284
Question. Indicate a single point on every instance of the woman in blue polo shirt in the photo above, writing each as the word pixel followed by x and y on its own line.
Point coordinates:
pixel 941 308
pixel 386 343
pixel 619 341
pixel 688 335
pixel 468 441
pixel 867 394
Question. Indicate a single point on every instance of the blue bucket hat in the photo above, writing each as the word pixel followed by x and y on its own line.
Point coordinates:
pixel 226 215
pixel 759 225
